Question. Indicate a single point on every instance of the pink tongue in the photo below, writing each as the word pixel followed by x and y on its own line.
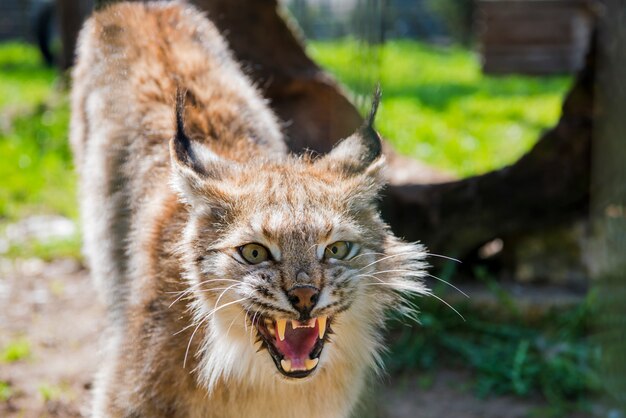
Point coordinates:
pixel 298 344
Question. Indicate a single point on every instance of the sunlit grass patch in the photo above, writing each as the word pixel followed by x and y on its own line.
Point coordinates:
pixel 36 167
pixel 438 106
pixel 36 170
pixel 24 80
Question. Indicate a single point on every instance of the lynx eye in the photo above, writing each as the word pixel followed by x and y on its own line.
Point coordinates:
pixel 254 253
pixel 338 250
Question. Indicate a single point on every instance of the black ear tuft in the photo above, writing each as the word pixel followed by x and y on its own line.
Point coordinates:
pixel 181 94
pixel 371 139
pixel 369 122
pixel 354 154
pixel 181 143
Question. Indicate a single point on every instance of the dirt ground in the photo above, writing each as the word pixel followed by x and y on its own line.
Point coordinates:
pixel 52 310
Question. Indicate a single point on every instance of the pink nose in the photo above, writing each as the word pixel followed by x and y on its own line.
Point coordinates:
pixel 303 298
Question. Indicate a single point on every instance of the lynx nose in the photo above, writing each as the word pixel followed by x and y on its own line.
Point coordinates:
pixel 303 297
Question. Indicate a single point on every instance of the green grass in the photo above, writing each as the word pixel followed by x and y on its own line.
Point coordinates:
pixel 438 107
pixel 507 356
pixel 5 391
pixel 36 168
pixel 49 392
pixel 508 353
pixel 15 350
pixel 50 250
pixel 24 80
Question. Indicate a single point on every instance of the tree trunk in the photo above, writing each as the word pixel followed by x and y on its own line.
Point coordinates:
pixel 546 187
pixel 70 18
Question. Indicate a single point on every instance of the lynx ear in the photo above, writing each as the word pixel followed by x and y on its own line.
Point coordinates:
pixel 194 165
pixel 354 154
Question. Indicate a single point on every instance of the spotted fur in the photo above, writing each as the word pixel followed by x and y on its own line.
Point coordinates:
pixel 167 197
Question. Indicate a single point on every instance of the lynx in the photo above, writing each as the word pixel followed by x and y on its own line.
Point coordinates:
pixel 240 280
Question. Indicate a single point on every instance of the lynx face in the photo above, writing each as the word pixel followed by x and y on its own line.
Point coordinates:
pixel 290 257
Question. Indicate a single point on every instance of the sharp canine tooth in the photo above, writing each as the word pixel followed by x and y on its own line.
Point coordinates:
pixel 281 325
pixel 286 365
pixel 321 320
pixel 309 364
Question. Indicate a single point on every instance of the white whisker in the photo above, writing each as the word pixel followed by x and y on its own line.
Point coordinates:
pixel 223 292
pixel 387 257
pixel 191 288
pixel 231 325
pixel 399 286
pixel 444 257
pixel 449 284
pixel 370 275
pixel 252 325
pixel 419 275
pixel 184 328
pixel 447 304
pixel 225 305
pixel 191 339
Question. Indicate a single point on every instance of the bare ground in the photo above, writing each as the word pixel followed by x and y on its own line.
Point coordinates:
pixel 51 309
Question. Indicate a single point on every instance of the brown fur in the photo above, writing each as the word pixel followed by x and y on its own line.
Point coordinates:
pixel 159 220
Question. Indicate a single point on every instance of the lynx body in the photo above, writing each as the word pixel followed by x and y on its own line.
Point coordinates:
pixel 240 281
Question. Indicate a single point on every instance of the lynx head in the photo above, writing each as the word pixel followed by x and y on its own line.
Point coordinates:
pixel 290 265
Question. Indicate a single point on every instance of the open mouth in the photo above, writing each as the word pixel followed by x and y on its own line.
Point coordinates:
pixel 294 346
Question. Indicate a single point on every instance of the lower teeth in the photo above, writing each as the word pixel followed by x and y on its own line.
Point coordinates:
pixel 309 364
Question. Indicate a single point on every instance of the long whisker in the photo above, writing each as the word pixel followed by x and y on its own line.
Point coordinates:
pixel 404 286
pixel 408 253
pixel 191 339
pixel 252 325
pixel 449 284
pixel 399 286
pixel 213 289
pixel 370 275
pixel 190 289
pixel 222 294
pixel 385 258
pixel 414 274
pixel 447 304
pixel 222 306
pixel 372 253
pixel 185 328
pixel 208 315
pixel 444 257
pixel 203 282
pixel 245 323
pixel 231 324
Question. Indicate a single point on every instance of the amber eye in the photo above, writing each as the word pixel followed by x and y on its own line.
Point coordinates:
pixel 338 250
pixel 254 253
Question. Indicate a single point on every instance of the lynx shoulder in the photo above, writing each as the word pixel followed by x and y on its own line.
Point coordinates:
pixel 240 281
